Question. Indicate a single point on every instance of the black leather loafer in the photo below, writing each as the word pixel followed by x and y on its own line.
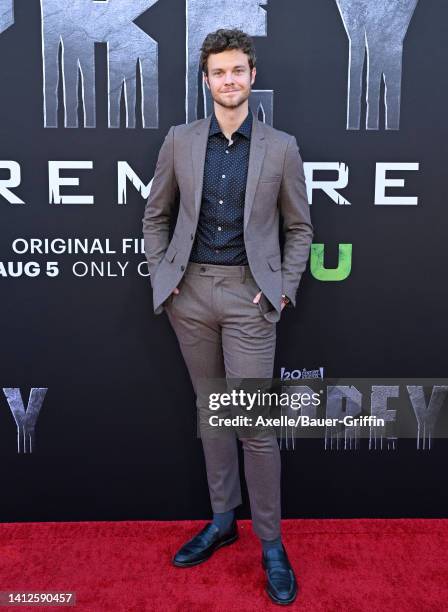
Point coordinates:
pixel 281 582
pixel 204 544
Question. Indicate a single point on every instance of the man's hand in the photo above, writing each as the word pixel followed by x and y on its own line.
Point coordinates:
pixel 258 297
pixel 175 291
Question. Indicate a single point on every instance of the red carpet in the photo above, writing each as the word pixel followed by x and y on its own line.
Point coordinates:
pixel 341 565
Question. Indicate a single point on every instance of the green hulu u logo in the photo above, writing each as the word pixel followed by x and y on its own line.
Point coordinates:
pixel 319 271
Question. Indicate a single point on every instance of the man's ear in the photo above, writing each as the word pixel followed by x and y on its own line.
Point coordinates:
pixel 254 72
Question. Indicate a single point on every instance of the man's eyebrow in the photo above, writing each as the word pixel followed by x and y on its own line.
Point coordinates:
pixel 240 66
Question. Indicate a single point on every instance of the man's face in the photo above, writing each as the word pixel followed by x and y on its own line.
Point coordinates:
pixel 229 77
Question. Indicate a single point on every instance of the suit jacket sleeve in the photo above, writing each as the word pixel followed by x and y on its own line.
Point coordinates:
pixel 159 206
pixel 297 227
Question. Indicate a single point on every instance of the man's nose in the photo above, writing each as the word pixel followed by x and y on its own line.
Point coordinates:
pixel 229 78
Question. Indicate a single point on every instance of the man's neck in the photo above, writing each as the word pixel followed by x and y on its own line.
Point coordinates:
pixel 230 119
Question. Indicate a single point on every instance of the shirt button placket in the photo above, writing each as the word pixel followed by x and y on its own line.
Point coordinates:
pixel 223 177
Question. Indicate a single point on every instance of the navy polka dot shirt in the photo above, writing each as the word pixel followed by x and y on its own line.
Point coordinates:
pixel 220 233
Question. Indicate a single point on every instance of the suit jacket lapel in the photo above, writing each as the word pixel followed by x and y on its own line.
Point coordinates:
pixel 257 152
pixel 198 150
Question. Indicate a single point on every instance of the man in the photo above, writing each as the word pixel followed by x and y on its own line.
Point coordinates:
pixel 223 282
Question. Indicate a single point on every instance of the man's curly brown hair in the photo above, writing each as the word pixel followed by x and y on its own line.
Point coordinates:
pixel 222 40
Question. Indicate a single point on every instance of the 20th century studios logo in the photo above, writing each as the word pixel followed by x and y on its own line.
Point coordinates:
pixel 409 410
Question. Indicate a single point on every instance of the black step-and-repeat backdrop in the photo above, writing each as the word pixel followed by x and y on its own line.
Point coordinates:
pixel 97 413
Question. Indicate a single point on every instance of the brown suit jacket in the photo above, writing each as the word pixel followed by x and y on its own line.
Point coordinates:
pixel 275 189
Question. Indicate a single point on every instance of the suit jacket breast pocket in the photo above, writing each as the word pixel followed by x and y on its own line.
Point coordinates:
pixel 272 178
pixel 268 189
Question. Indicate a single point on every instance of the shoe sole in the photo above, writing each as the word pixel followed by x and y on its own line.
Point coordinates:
pixel 192 563
pixel 282 602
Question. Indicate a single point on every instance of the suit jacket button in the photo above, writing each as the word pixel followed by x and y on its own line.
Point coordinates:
pixel 191 236
pixel 182 268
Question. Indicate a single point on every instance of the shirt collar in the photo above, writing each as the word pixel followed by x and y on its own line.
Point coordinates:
pixel 245 128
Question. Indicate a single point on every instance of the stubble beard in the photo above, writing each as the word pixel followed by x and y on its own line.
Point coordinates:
pixel 242 100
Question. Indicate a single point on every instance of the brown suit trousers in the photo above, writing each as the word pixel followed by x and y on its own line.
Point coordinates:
pixel 223 334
